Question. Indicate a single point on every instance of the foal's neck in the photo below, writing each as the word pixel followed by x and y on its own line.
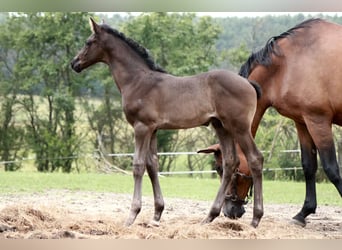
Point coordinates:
pixel 126 66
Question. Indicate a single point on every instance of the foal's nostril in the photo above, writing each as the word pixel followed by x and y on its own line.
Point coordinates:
pixel 72 63
pixel 75 65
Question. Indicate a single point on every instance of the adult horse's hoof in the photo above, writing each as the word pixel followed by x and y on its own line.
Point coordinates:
pixel 299 220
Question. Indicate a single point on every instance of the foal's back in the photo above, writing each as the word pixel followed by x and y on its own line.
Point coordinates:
pixel 190 101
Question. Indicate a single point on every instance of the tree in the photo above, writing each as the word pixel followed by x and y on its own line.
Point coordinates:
pixel 234 57
pixel 45 44
pixel 11 134
pixel 181 43
pixel 106 119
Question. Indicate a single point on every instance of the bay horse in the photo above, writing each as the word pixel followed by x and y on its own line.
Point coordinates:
pixel 240 187
pixel 153 99
pixel 300 74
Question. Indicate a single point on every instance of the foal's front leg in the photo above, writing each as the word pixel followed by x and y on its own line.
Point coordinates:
pixel 152 169
pixel 142 143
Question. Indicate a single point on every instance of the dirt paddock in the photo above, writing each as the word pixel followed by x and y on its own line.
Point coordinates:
pixel 71 214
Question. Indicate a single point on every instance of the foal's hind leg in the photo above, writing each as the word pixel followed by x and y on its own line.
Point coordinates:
pixel 152 169
pixel 255 163
pixel 230 162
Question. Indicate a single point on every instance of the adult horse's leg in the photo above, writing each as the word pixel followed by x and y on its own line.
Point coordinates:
pixel 330 166
pixel 255 163
pixel 142 136
pixel 321 133
pixel 152 169
pixel 309 165
pixel 230 162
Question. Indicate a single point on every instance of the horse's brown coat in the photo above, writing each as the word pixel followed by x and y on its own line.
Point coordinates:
pixel 243 184
pixel 300 72
pixel 239 186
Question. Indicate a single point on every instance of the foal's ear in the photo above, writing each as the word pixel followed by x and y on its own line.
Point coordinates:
pixel 95 28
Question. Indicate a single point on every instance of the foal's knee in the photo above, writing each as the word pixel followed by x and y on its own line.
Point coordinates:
pixel 232 163
pixel 256 163
pixel 152 165
pixel 138 168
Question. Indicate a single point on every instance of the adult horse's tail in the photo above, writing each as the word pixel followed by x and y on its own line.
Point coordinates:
pixel 256 87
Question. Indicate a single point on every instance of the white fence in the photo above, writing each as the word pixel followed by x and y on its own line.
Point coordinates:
pixel 204 171
pixel 96 156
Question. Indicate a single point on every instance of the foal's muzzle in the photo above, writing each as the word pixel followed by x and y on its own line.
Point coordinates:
pixel 75 65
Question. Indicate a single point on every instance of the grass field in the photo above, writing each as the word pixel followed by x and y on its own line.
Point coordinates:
pixel 275 192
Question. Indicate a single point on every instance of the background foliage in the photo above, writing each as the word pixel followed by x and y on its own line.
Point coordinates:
pixel 57 117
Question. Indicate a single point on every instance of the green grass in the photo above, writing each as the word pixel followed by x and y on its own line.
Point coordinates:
pixel 289 192
pixel 276 192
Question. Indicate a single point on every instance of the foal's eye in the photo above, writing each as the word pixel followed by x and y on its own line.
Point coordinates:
pixel 88 43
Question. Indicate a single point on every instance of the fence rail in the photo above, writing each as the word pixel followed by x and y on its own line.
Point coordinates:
pixel 95 155
pixel 195 153
pixel 102 163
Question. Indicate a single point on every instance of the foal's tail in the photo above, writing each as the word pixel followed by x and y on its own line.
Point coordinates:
pixel 256 87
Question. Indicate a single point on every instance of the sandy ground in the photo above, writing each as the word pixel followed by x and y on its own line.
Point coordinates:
pixel 60 214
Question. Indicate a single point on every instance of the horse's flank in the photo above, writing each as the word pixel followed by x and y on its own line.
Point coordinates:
pixel 300 75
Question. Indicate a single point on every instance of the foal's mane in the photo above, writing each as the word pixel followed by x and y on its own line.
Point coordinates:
pixel 264 55
pixel 140 50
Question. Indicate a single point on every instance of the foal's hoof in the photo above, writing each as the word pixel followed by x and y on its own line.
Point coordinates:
pixel 207 220
pixel 153 223
pixel 129 223
pixel 255 223
pixel 4 228
pixel 299 220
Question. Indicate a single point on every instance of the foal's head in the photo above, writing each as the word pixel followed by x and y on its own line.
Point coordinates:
pixel 93 50
pixel 108 45
pixel 239 185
